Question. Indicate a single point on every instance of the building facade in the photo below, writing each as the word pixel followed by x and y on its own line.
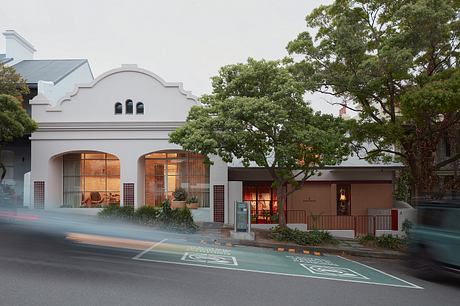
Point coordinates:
pixel 51 78
pixel 107 142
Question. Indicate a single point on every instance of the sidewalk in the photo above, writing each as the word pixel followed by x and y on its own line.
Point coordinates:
pixel 216 234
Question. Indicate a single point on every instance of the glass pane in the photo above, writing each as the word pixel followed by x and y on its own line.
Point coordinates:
pixel 177 167
pixel 249 193
pixel 95 167
pixel 113 167
pixel 172 169
pixel 71 184
pixel 156 155
pixel 113 184
pixel 72 199
pixel 110 156
pixel 72 156
pixel 94 156
pixel 95 183
pixel 72 167
pixel 155 167
pixel 113 197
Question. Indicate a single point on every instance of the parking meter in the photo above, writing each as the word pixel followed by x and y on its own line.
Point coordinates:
pixel 242 217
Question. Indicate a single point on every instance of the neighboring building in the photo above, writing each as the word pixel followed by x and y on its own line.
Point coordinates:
pixel 107 142
pixel 51 78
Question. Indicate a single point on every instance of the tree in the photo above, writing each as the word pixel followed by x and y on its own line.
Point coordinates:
pixel 256 113
pixel 11 83
pixel 371 53
pixel 14 123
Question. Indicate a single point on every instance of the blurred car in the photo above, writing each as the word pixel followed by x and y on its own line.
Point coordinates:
pixel 434 242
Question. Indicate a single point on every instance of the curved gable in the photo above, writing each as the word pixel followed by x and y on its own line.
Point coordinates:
pixel 95 102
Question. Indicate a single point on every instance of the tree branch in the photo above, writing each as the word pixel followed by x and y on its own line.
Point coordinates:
pixel 447 161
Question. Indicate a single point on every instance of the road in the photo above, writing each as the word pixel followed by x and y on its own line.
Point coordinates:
pixel 75 266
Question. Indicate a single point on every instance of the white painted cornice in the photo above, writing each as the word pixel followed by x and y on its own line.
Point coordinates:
pixel 108 126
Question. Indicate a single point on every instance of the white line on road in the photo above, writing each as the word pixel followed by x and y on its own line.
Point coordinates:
pixel 279 273
pixel 414 285
pixel 149 249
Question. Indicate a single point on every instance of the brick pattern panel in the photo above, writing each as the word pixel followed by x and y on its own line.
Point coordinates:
pixel 128 194
pixel 218 203
pixel 39 194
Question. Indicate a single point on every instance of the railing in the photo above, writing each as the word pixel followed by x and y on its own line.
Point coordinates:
pixel 264 217
pixel 361 225
pixel 296 217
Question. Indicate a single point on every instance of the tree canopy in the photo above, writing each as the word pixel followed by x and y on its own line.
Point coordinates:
pixel 256 113
pixel 382 58
pixel 14 123
pixel 11 83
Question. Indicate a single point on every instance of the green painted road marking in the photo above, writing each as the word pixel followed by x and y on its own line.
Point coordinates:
pixel 269 262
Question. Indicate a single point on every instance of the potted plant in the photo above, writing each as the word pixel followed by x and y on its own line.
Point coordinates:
pixel 192 202
pixel 179 195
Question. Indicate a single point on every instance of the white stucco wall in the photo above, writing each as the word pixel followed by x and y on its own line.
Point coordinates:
pixel 218 175
pixel 84 120
pixel 17 47
pixel 235 194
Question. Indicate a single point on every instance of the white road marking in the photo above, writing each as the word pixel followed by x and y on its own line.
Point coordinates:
pixel 333 271
pixel 138 256
pixel 279 273
pixel 210 259
pixel 414 285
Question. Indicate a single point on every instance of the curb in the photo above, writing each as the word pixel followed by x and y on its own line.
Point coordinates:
pixel 311 250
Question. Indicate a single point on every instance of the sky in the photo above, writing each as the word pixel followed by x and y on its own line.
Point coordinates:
pixel 180 40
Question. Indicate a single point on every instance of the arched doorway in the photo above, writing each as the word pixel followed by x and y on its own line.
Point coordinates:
pixel 166 171
pixel 90 179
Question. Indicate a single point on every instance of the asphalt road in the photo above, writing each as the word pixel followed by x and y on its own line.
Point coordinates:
pixel 42 267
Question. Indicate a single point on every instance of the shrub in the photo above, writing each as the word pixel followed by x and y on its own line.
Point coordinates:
pixel 192 199
pixel 385 241
pixel 180 194
pixel 165 217
pixel 407 226
pixel 313 237
pixel 147 214
pixel 390 242
pixel 182 220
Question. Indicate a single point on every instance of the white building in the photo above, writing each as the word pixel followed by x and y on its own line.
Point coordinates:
pixel 107 142
pixel 52 78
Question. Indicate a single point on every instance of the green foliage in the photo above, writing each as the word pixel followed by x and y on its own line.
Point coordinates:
pixel 11 83
pixel 257 114
pixel 313 237
pixel 147 214
pixel 180 194
pixel 407 226
pixel 114 211
pixel 192 199
pixel 396 62
pixel 172 219
pixel 387 241
pixel 402 192
pixel 14 123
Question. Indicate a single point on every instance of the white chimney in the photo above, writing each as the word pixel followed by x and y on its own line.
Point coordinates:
pixel 17 47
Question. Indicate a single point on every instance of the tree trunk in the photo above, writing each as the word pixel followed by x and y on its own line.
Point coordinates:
pixel 281 205
pixel 3 169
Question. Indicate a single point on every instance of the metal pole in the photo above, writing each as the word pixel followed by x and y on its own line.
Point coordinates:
pixel 249 217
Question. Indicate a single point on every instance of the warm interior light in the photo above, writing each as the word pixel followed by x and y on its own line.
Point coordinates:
pixel 342 195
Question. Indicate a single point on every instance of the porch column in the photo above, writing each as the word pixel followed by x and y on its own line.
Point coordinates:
pixel 128 180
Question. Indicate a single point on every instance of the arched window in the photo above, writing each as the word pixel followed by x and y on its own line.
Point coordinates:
pixel 118 108
pixel 129 106
pixel 139 108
